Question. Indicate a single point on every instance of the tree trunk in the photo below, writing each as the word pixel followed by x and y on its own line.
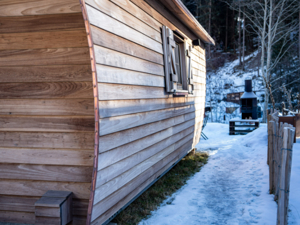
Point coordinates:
pixel 233 31
pixel 240 51
pixel 244 32
pixel 263 36
pixel 209 27
pixel 266 104
pixel 211 114
pixel 226 37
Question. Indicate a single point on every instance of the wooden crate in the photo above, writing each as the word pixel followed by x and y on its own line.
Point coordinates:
pixel 54 207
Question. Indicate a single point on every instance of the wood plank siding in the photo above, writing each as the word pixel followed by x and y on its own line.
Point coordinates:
pixel 46 106
pixel 143 130
pixel 84 107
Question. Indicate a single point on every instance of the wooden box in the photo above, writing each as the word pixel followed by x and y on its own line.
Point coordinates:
pixel 54 207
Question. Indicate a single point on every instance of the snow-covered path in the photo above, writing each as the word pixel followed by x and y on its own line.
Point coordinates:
pixel 232 188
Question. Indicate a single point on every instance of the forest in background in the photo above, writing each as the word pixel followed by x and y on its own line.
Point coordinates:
pixel 236 26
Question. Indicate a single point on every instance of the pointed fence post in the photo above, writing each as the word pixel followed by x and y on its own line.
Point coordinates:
pixel 285 174
pixel 279 152
pixel 273 163
pixel 270 148
pixel 288 172
pixel 277 158
pixel 280 208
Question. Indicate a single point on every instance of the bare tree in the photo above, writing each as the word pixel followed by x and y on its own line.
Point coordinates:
pixel 244 37
pixel 209 27
pixel 233 30
pixel 226 37
pixel 240 34
pixel 272 22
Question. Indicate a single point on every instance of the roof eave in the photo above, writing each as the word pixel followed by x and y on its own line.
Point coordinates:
pixel 185 16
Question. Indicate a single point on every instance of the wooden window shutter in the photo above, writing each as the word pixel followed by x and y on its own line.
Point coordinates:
pixel 171 75
pixel 189 71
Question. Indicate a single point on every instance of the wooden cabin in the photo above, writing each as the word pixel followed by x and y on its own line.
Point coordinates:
pixel 97 97
pixel 234 97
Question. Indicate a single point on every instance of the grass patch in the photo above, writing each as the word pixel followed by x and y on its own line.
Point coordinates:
pixel 172 181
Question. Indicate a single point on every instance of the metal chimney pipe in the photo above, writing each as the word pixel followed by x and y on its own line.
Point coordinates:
pixel 248 85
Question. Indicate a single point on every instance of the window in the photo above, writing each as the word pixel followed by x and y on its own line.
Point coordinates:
pixel 177 61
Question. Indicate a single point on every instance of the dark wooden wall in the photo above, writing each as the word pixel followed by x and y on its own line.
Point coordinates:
pixel 143 130
pixel 46 106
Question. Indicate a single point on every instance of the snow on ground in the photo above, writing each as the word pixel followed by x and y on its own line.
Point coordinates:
pixel 232 188
pixel 294 206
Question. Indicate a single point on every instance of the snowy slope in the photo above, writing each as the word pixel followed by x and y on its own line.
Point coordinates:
pixel 229 79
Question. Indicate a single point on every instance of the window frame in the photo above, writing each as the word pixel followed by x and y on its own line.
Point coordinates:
pixel 181 87
pixel 170 40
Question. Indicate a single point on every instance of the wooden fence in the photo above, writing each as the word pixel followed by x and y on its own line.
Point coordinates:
pixel 280 146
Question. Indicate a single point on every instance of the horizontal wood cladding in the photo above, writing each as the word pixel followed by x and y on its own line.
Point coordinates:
pixel 199 80
pixel 47 124
pixel 138 13
pixel 37 57
pixel 17 203
pixel 38 156
pixel 115 124
pixel 108 40
pixel 47 107
pixel 119 198
pixel 122 16
pixel 163 15
pixel 116 183
pixel 26 204
pixel 116 59
pixel 108 142
pixel 23 24
pixel 144 8
pixel 37 7
pixel 45 39
pixel 197 59
pixel 114 170
pixel 111 25
pixel 107 74
pixel 198 66
pixel 119 91
pixel 38 188
pixel 199 73
pixel 76 220
pixel 153 129
pixel 17 217
pixel 46 90
pixel 82 140
pixel 122 152
pixel 57 73
pixel 45 172
pixel 121 107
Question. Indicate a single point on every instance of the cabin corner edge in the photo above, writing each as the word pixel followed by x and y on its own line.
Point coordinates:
pixel 96 109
